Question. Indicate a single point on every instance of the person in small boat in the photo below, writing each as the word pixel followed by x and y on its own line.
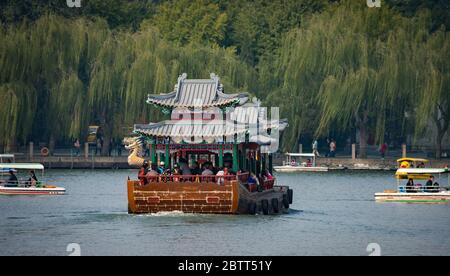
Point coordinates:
pixel 12 180
pixel 309 163
pixel 431 186
pixel 142 176
pixel 421 165
pixel 33 179
pixel 410 186
pixel 293 163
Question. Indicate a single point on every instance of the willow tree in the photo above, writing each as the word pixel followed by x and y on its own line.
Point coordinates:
pixel 348 68
pixel 18 105
pixel 434 95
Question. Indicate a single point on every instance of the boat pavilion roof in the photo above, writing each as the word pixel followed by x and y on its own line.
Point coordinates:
pixel 192 93
pixel 241 121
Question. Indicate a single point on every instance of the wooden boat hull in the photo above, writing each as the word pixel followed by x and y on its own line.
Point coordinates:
pixel 201 198
pixel 31 191
pixel 442 197
pixel 293 169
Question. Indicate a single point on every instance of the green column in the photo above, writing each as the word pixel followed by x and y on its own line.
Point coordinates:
pixel 167 157
pixel 153 153
pixel 235 158
pixel 221 156
pixel 270 163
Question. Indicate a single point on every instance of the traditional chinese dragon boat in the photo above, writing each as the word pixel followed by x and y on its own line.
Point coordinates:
pixel 207 125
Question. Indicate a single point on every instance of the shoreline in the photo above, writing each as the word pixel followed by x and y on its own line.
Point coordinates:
pixel 121 162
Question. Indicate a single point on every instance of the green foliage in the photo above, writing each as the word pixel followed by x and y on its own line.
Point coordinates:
pixel 185 21
pixel 356 67
pixel 332 66
pixel 80 73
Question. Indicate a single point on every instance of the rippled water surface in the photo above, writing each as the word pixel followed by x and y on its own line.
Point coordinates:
pixel 333 214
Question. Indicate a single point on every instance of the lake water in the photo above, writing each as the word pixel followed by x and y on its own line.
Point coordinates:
pixel 333 214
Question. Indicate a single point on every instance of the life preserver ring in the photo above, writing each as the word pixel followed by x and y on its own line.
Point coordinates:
pixel 45 151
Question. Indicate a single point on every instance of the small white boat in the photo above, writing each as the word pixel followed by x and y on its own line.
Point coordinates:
pixel 291 165
pixel 24 187
pixel 417 193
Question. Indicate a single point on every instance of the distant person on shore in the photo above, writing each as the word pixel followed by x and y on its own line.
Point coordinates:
pixel 112 143
pixel 383 150
pixel 333 148
pixel 119 149
pixel 98 147
pixel 315 148
pixel 77 147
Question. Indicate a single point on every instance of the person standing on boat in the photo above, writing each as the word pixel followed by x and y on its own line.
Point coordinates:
pixel 315 147
pixel 12 180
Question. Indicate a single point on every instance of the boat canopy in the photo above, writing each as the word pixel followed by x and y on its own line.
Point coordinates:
pixel 6 155
pixel 23 166
pixel 418 173
pixel 412 160
pixel 422 171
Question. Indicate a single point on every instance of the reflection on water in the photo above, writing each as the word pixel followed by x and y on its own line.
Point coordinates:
pixel 333 214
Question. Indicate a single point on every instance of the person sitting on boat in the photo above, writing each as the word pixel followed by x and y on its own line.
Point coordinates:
pixel 12 180
pixel 152 174
pixel 220 176
pixel 410 186
pixel 267 176
pixel 207 173
pixel 161 168
pixel 309 163
pixel 142 176
pixel 195 170
pixel 176 173
pixel 253 183
pixel 33 179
